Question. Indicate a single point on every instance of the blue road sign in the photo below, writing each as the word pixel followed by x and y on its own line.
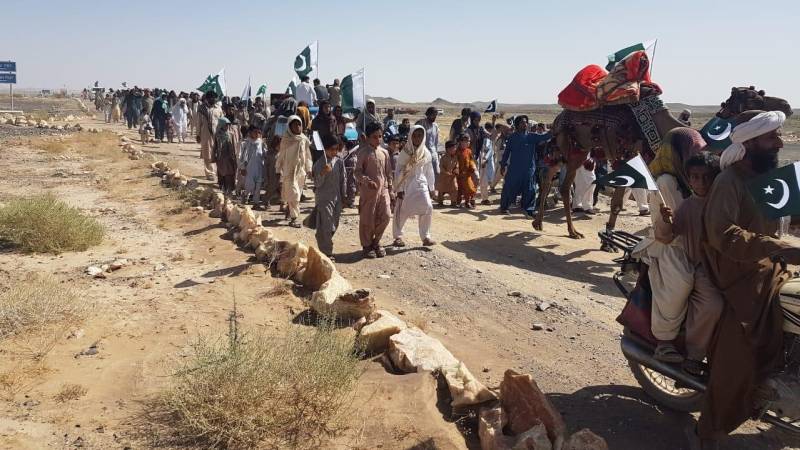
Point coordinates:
pixel 8 66
pixel 8 78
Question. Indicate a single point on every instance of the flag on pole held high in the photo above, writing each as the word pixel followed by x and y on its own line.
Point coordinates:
pixel 777 193
pixel 492 107
pixel 215 83
pixel 247 92
pixel 262 91
pixel 306 61
pixel 717 133
pixel 633 174
pixel 648 46
pixel 353 94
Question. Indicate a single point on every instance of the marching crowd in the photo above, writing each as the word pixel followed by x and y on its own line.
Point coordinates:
pixel 708 244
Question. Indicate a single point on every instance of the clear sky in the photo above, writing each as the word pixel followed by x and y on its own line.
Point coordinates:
pixel 514 50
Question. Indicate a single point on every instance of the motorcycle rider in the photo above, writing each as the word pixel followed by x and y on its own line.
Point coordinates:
pixel 747 345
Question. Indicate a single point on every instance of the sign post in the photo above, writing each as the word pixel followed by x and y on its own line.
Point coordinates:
pixel 8 75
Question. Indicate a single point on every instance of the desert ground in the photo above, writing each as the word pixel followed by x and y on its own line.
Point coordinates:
pixel 479 291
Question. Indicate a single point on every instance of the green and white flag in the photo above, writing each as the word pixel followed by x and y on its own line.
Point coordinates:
pixel 292 88
pixel 262 91
pixel 648 46
pixel 306 61
pixel 353 94
pixel 215 83
pixel 777 193
pixel 717 133
pixel 247 92
pixel 633 174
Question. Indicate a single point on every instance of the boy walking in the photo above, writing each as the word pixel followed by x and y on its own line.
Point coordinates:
pixel 330 182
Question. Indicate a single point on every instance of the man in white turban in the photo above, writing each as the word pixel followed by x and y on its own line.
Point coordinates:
pixel 747 346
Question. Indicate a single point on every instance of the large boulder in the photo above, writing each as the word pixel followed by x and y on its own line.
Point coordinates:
pixel 527 406
pixel 265 252
pixel 491 423
pixel 292 259
pixel 411 350
pixel 585 440
pixel 374 337
pixel 465 389
pixel 233 215
pixel 248 219
pixel 319 269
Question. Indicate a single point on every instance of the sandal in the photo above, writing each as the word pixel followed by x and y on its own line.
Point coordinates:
pixel 666 352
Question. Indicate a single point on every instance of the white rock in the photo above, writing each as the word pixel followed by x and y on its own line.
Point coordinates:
pixel 259 236
pixel 94 271
pixel 465 389
pixel 117 264
pixel 412 350
pixel 319 269
pixel 374 337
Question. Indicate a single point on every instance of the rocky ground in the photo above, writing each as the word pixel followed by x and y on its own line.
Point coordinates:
pixel 483 291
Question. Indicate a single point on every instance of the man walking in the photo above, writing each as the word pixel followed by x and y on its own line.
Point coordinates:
pixel 208 114
pixel 431 136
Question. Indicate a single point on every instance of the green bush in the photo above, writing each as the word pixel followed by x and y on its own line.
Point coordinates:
pixel 43 224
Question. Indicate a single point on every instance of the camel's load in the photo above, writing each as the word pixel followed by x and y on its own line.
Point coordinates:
pixel 626 83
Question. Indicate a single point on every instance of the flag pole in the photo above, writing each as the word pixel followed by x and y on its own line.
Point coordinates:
pixel 655 46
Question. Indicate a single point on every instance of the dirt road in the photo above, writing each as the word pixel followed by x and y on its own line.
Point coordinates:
pixel 477 291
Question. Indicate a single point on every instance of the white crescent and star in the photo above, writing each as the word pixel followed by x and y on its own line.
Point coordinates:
pixel 626 179
pixel 304 67
pixel 784 198
pixel 721 136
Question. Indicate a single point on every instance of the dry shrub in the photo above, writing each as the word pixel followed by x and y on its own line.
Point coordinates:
pixel 43 224
pixel 52 145
pixel 37 304
pixel 69 392
pixel 286 391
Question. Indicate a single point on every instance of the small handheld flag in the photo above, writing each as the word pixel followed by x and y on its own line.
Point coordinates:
pixel 619 55
pixel 306 61
pixel 717 133
pixel 317 141
pixel 247 92
pixel 633 174
pixel 492 107
pixel 262 90
pixel 777 193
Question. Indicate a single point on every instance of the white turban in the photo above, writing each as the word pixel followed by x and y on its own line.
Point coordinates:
pixel 763 123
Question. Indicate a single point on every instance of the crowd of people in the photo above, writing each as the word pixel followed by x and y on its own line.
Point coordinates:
pixel 708 253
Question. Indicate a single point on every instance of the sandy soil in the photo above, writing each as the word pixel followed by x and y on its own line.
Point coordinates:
pixel 477 291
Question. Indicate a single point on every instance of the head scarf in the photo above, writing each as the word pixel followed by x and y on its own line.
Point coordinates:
pixel 763 123
pixel 290 137
pixel 678 145
pixel 411 157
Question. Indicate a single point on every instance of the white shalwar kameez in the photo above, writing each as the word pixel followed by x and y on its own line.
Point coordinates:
pixel 584 189
pixel 416 186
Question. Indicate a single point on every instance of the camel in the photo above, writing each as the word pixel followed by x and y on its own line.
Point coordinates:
pixel 612 132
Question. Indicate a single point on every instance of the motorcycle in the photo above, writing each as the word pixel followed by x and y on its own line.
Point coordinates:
pixel 668 384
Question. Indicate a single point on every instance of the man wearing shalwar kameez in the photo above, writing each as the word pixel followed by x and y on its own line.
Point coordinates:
pixel 330 185
pixel 292 164
pixel 414 183
pixel 180 115
pixel 373 174
pixel 747 346
pixel 208 113
pixel 518 166
pixel 251 161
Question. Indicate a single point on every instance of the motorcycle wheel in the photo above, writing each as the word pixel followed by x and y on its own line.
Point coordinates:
pixel 664 391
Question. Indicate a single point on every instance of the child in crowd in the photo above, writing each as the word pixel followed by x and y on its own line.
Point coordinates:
pixel 704 305
pixel 170 128
pixel 487 164
pixel 393 145
pixel 447 183
pixel 467 170
pixel 330 181
pixel 350 155
pixel 225 156
pixel 145 128
pixel 251 166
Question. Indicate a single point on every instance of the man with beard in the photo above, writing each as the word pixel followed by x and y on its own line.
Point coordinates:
pixel 367 116
pixel 431 136
pixel 747 345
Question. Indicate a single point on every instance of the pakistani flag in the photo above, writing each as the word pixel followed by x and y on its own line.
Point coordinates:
pixel 306 61
pixel 262 91
pixel 215 83
pixel 247 92
pixel 777 193
pixel 717 133
pixel 633 174
pixel 492 107
pixel 619 55
pixel 291 89
pixel 353 95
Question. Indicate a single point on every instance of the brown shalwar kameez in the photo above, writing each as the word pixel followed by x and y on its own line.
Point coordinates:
pixel 373 205
pixel 748 342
